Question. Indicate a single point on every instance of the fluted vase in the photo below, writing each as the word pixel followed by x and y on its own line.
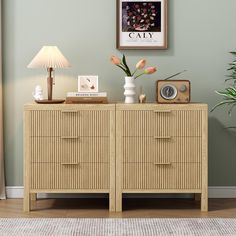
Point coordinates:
pixel 130 90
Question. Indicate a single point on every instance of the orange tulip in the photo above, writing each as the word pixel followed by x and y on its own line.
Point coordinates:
pixel 115 60
pixel 141 64
pixel 150 70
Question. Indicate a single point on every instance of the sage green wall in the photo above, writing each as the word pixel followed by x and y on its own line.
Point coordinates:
pixel 200 35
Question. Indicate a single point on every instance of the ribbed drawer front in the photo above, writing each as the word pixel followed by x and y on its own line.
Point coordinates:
pixel 85 123
pixel 162 123
pixel 69 123
pixel 80 149
pixel 45 123
pixel 151 149
pixel 138 176
pixel 69 176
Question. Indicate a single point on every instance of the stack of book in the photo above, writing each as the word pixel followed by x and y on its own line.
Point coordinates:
pixel 79 97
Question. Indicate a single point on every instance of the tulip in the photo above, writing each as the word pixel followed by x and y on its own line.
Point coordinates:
pixel 150 70
pixel 115 60
pixel 141 64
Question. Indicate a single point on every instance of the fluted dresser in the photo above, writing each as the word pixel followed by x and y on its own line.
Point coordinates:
pixel 69 149
pixel 161 149
pixel 116 149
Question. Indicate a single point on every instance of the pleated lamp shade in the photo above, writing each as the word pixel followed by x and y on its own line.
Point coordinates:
pixel 49 57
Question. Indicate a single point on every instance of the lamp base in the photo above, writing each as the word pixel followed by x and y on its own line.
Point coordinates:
pixel 53 101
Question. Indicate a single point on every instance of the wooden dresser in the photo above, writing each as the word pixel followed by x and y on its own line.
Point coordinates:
pixel 116 149
pixel 162 149
pixel 69 149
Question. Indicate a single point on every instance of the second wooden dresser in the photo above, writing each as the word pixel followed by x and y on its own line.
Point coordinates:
pixel 69 149
pixel 161 149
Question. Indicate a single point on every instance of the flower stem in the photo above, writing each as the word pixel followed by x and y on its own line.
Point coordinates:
pixel 134 72
pixel 139 75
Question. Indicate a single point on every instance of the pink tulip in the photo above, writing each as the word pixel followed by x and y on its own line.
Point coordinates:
pixel 115 60
pixel 150 70
pixel 141 64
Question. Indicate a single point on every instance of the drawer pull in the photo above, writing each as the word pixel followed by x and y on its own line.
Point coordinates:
pixel 162 111
pixel 69 111
pixel 70 164
pixel 162 137
pixel 69 137
pixel 163 164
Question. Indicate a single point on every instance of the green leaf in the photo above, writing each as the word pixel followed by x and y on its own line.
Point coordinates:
pixel 230 79
pixel 126 66
pixel 234 53
pixel 221 104
pixel 123 70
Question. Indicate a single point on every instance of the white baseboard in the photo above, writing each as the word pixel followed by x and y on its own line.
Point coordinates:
pixel 214 192
pixel 15 192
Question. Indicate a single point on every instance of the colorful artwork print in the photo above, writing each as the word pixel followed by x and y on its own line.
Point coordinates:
pixel 141 16
pixel 142 24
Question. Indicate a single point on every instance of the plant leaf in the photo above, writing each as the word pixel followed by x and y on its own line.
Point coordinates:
pixel 123 69
pixel 126 66
pixel 221 104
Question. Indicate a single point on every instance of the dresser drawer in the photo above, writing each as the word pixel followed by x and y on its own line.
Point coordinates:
pixel 69 123
pixel 85 123
pixel 45 123
pixel 80 149
pixel 69 176
pixel 161 176
pixel 162 123
pixel 152 149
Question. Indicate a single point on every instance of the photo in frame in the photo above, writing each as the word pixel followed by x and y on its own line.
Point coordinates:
pixel 141 24
pixel 88 83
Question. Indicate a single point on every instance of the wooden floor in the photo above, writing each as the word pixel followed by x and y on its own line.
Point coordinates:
pixel 137 208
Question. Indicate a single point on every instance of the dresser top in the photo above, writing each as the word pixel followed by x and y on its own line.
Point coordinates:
pixel 113 106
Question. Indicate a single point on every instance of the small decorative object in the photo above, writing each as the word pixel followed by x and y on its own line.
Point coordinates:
pixel 173 91
pixel 129 86
pixel 38 93
pixel 142 97
pixel 141 24
pixel 49 57
pixel 88 83
pixel 229 93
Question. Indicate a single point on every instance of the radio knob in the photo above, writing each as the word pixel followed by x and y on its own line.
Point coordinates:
pixel 183 88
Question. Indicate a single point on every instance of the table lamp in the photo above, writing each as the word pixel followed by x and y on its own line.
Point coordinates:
pixel 49 57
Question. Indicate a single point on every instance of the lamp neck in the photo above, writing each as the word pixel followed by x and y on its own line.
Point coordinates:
pixel 50 83
pixel 50 70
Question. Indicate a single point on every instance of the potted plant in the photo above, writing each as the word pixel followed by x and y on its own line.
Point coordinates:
pixel 131 76
pixel 229 93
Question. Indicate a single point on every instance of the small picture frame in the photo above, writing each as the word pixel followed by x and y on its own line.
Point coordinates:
pixel 88 83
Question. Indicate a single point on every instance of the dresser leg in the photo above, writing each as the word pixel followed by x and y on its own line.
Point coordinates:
pixel 33 196
pixel 26 202
pixel 112 202
pixel 204 202
pixel 118 202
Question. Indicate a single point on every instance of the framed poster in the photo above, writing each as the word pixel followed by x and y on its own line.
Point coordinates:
pixel 87 83
pixel 142 24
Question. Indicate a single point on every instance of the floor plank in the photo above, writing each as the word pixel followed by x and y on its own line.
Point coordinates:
pixel 137 208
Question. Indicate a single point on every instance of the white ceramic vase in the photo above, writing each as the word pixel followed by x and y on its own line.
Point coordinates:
pixel 130 92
